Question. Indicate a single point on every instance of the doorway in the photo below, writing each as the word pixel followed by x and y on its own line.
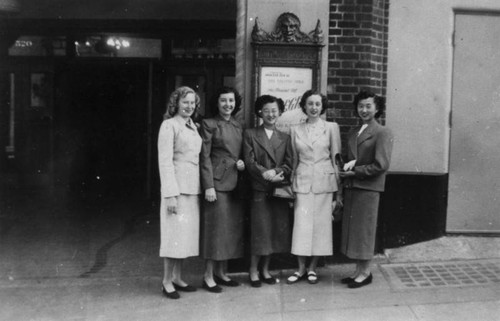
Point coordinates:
pixel 101 128
pixel 474 181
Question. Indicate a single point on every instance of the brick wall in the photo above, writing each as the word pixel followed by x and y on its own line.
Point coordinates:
pixel 357 55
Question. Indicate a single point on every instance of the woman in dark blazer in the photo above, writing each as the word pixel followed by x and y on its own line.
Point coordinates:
pixel 268 158
pixel 369 155
pixel 220 161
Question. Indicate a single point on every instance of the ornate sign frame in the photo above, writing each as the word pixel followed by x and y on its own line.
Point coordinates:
pixel 287 61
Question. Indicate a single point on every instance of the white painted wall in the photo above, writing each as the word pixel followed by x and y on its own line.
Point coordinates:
pixel 308 11
pixel 420 57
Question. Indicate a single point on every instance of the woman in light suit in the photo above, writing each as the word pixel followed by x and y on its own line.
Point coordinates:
pixel 268 159
pixel 315 182
pixel 369 155
pixel 223 214
pixel 179 145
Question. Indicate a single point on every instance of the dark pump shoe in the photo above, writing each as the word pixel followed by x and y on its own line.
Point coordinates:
pixel 171 295
pixel 186 288
pixel 347 280
pixel 221 281
pixel 256 283
pixel 271 280
pixel 355 285
pixel 213 289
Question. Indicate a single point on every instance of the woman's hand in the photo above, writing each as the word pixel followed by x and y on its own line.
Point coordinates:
pixel 210 195
pixel 278 178
pixel 347 174
pixel 269 174
pixel 171 205
pixel 339 200
pixel 240 165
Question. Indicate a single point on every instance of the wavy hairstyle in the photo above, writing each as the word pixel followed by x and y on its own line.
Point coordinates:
pixel 378 100
pixel 309 93
pixel 173 102
pixel 263 100
pixel 214 101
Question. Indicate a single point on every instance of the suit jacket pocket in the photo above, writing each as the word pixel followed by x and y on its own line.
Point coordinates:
pixel 220 170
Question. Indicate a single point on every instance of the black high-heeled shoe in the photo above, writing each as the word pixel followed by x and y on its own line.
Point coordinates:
pixel 213 289
pixel 221 281
pixel 366 281
pixel 270 280
pixel 347 280
pixel 186 288
pixel 256 283
pixel 171 295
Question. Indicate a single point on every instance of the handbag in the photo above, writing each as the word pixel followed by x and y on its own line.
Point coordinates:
pixel 284 191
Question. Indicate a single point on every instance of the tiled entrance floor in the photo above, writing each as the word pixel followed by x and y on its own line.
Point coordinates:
pixel 442 274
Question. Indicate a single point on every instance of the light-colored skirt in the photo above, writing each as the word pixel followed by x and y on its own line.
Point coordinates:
pixel 180 232
pixel 312 227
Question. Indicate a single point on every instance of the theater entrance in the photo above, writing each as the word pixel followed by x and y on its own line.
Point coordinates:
pixel 102 133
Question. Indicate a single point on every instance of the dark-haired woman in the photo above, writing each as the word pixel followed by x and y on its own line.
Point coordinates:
pixel 315 183
pixel 223 215
pixel 179 145
pixel 268 159
pixel 368 155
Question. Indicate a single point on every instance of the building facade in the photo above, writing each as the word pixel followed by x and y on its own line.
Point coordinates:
pixel 83 90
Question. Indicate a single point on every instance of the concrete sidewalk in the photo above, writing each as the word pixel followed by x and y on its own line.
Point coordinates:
pixel 74 262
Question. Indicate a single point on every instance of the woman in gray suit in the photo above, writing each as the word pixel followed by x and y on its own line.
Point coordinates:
pixel 223 215
pixel 369 155
pixel 315 183
pixel 179 145
pixel 268 158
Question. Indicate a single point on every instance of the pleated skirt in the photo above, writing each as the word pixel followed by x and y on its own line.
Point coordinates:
pixel 270 230
pixel 222 228
pixel 359 223
pixel 179 233
pixel 312 227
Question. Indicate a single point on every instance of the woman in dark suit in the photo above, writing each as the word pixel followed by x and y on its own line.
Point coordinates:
pixel 268 158
pixel 369 155
pixel 220 162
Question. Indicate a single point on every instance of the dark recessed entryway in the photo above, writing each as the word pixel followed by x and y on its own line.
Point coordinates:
pixel 101 126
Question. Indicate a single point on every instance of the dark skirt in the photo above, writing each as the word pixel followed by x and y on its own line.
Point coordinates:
pixel 222 228
pixel 359 223
pixel 270 230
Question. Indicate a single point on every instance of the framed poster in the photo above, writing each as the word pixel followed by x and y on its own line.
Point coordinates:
pixel 286 64
pixel 287 83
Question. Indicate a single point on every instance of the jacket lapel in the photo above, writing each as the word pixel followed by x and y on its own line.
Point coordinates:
pixel 262 140
pixel 367 133
pixel 303 135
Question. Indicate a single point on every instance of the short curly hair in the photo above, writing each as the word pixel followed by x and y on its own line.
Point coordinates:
pixel 173 102
pixel 309 93
pixel 214 101
pixel 263 100
pixel 365 94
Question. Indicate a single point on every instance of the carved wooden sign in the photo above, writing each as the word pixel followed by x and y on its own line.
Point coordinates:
pixel 287 63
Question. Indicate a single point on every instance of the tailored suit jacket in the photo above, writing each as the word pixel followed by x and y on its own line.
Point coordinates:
pixel 261 154
pixel 221 149
pixel 314 166
pixel 372 150
pixel 178 158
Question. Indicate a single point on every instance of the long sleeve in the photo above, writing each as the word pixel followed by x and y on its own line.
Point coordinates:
pixel 169 186
pixel 335 148
pixel 287 165
pixel 254 168
pixel 207 176
pixel 382 159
